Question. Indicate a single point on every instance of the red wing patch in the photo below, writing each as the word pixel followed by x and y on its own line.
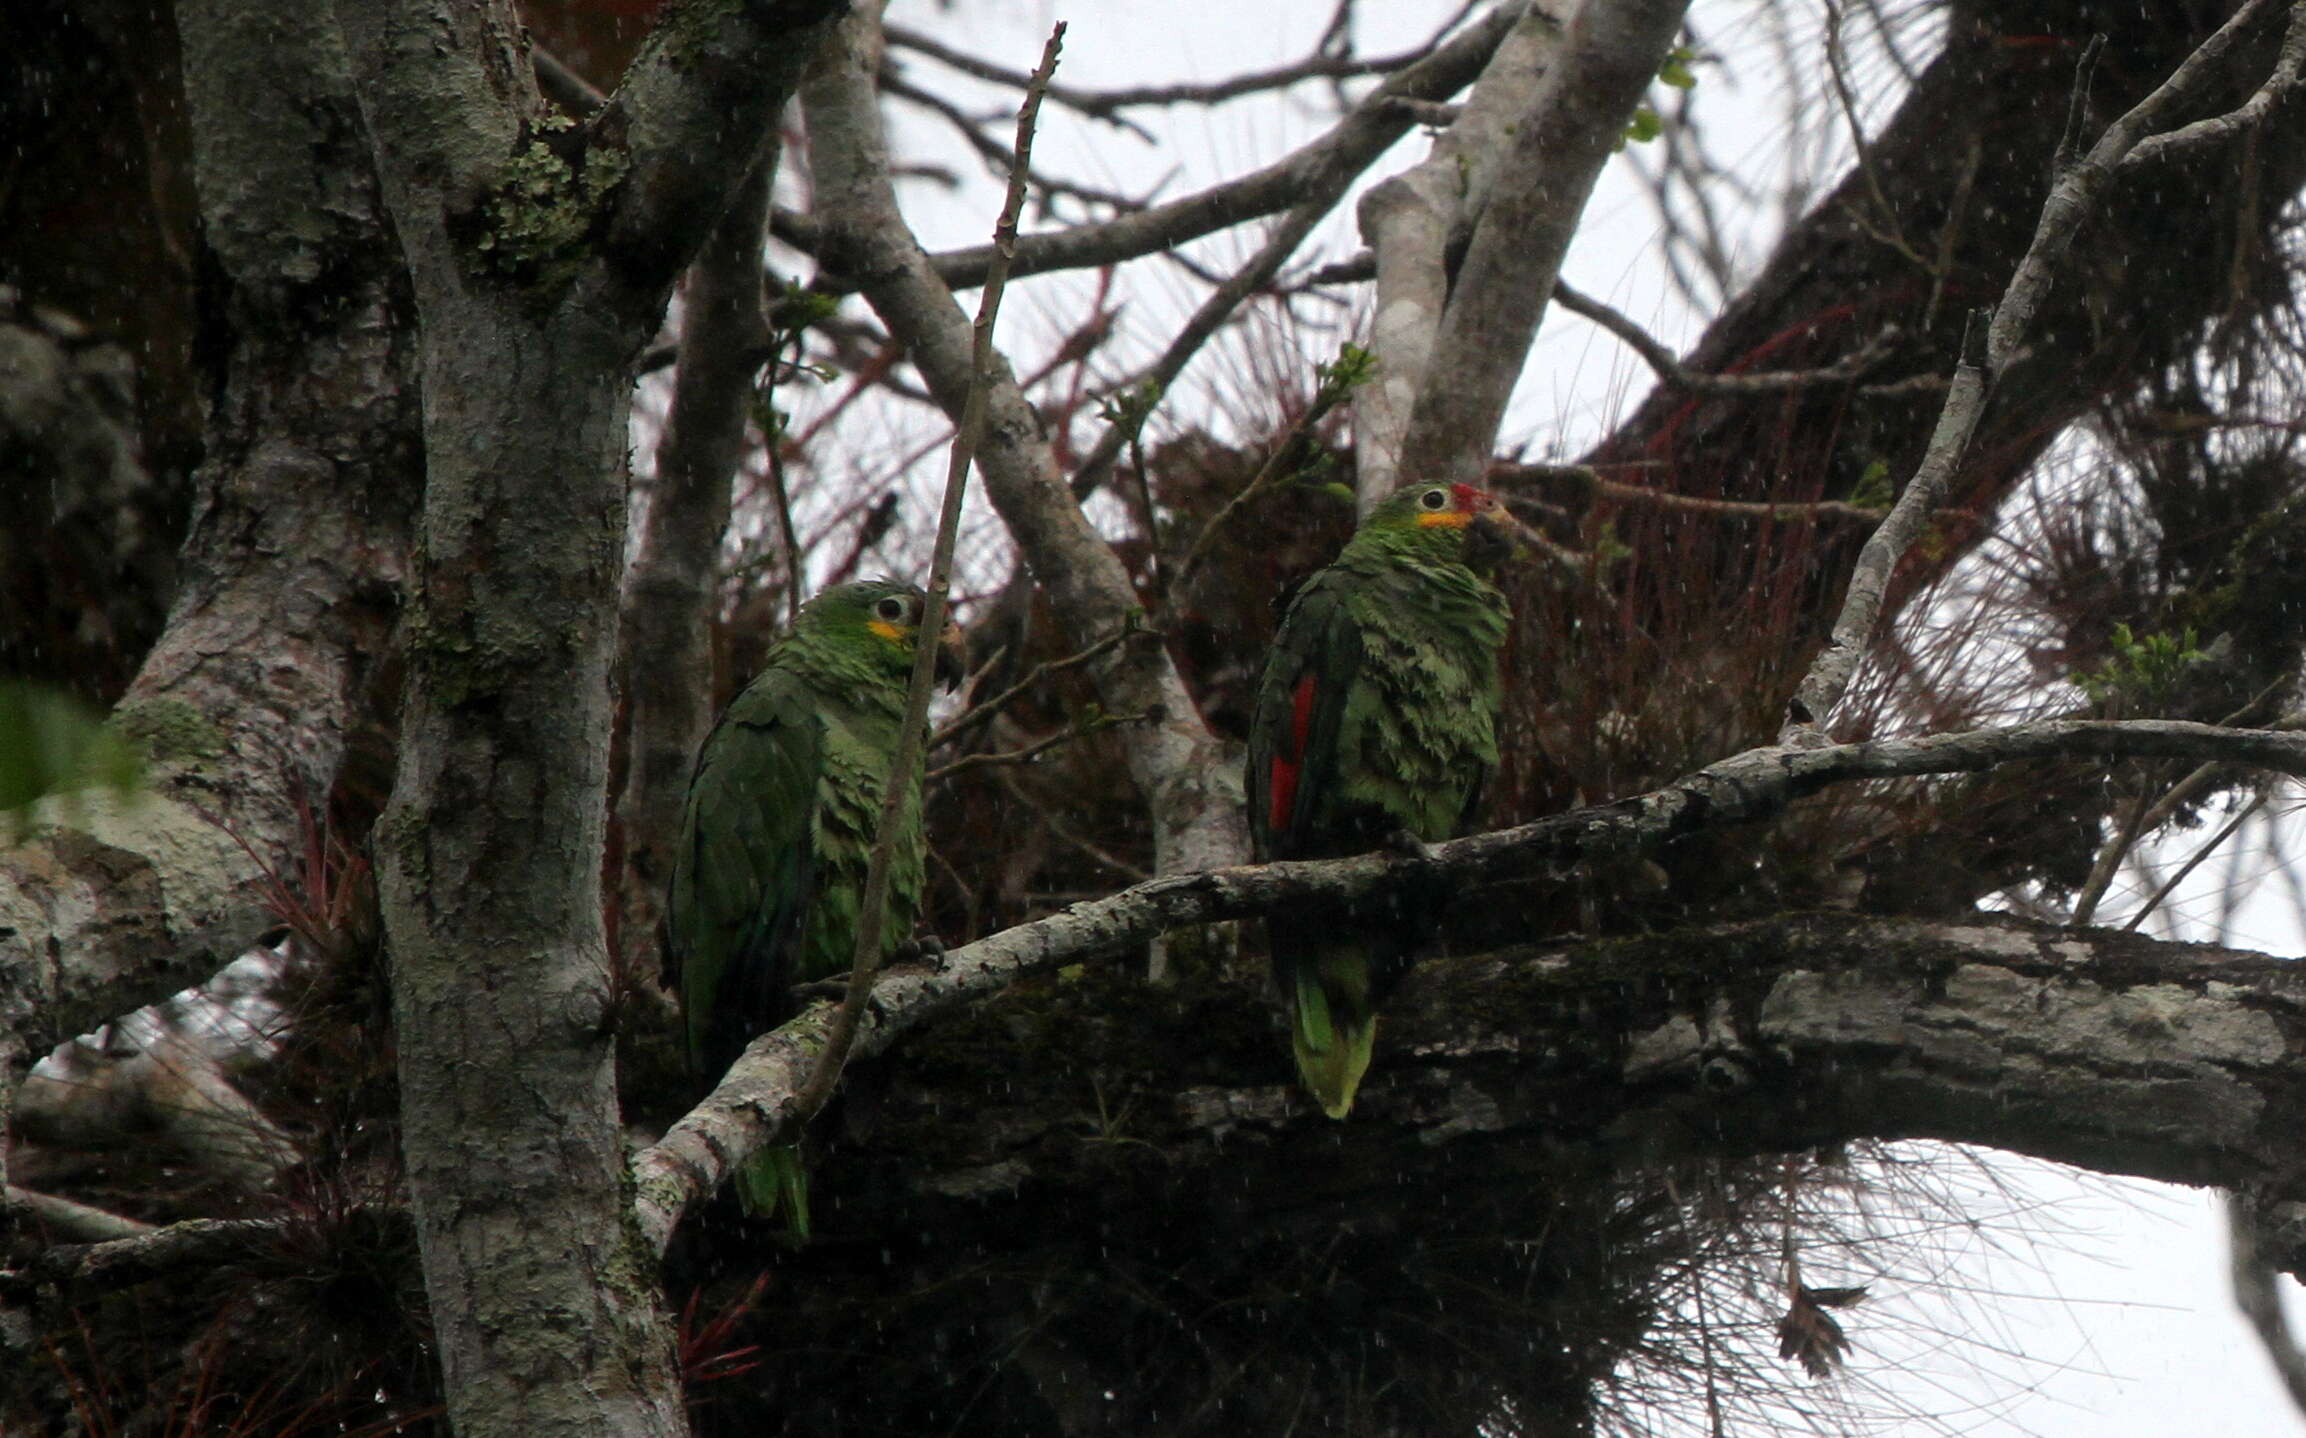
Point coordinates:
pixel 1282 790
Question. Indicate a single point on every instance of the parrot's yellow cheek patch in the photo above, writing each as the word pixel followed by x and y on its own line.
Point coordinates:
pixel 886 630
pixel 1448 518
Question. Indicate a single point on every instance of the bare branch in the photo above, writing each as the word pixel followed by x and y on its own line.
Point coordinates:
pixel 1411 221
pixel 1210 316
pixel 1782 512
pixel 900 785
pixel 1026 755
pixel 1107 104
pixel 1829 674
pixel 2073 198
pixel 982 712
pixel 1365 133
pixel 1192 797
pixel 1847 370
pixel 76 1220
pixel 754 1105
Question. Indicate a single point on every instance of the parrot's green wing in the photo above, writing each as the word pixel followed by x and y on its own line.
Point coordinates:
pixel 1301 704
pixel 1322 963
pixel 747 869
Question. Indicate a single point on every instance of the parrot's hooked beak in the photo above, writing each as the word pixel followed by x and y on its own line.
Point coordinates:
pixel 952 657
pixel 1489 538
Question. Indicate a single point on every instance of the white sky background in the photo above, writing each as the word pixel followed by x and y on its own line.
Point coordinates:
pixel 2075 1304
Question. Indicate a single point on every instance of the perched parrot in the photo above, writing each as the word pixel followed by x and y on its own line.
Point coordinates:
pixel 1376 718
pixel 769 878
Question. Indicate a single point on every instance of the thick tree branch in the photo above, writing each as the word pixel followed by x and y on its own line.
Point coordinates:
pixel 753 1106
pixel 290 572
pixel 1178 765
pixel 1410 223
pixel 1568 130
pixel 542 258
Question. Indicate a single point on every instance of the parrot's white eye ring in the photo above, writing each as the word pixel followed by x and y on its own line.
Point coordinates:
pixel 1436 498
pixel 890 608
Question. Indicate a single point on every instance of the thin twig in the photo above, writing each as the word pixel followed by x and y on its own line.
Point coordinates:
pixel 1779 511
pixel 1846 370
pixel 910 736
pixel 1003 159
pixel 1336 387
pixel 2194 862
pixel 2145 820
pixel 2073 198
pixel 1893 236
pixel 1106 105
pixel 1365 132
pixel 1211 315
pixel 979 713
pixel 1034 750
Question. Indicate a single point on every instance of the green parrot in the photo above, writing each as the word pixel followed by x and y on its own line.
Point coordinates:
pixel 1376 718
pixel 768 881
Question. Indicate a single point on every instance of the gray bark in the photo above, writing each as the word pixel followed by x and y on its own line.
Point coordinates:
pixel 289 573
pixel 1536 197
pixel 755 1104
pixel 542 257
pixel 1144 1212
pixel 1410 221
pixel 1190 789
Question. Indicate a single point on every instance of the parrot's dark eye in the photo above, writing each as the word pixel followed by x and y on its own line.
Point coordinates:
pixel 1436 498
pixel 891 608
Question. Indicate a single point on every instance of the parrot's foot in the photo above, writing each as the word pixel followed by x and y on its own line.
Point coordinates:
pixel 1409 846
pixel 923 948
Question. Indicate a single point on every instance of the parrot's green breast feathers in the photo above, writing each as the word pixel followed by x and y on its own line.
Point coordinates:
pixel 778 828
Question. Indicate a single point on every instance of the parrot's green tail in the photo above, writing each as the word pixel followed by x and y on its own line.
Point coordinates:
pixel 774 1181
pixel 1335 1029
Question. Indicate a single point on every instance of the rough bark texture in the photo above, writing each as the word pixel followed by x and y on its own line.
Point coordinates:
pixel 1410 221
pixel 1146 1225
pixel 1535 197
pixel 755 1103
pixel 290 572
pixel 542 255
pixel 664 649
pixel 1190 789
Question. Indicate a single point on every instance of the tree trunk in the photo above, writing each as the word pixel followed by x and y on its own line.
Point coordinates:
pixel 542 254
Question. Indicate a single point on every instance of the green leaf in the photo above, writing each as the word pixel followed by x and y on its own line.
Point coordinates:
pixel 51 743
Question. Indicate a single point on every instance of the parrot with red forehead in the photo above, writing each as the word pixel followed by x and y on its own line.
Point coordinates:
pixel 1376 718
